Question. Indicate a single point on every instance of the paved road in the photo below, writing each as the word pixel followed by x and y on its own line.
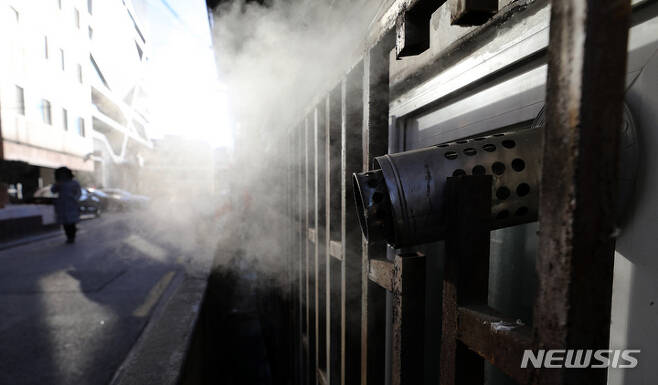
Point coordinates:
pixel 69 314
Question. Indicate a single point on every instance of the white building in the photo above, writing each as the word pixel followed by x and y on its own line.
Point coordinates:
pixel 69 87
pixel 117 61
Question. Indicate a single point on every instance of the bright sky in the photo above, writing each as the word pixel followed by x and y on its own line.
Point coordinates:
pixel 187 98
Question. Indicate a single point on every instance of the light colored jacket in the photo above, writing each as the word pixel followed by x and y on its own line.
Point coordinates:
pixel 67 207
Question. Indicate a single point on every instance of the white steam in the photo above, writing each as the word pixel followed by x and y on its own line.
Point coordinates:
pixel 277 60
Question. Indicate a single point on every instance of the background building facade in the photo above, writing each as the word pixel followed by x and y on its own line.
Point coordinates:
pixel 61 100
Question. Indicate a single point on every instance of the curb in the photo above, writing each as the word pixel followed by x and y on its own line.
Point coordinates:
pixel 30 239
pixel 159 353
pixel 39 236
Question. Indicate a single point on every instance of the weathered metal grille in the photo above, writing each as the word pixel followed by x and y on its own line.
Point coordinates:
pixel 338 304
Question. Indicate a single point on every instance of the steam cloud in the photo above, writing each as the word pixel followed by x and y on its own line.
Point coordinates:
pixel 274 59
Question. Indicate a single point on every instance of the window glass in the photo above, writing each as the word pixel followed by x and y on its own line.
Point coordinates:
pixel 65 119
pixel 20 101
pixel 80 127
pixel 46 113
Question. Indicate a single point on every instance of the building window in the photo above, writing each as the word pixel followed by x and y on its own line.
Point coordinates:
pixel 65 119
pixel 45 47
pixel 46 113
pixel 77 18
pixel 20 101
pixel 61 56
pixel 80 73
pixel 80 127
pixel 91 32
pixel 89 6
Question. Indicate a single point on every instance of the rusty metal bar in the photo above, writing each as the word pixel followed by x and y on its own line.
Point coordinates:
pixel 472 12
pixel 466 276
pixel 291 333
pixel 311 234
pixel 382 30
pixel 412 28
pixel 381 272
pixel 352 160
pixel 584 93
pixel 300 244
pixel 408 319
pixel 500 340
pixel 333 233
pixel 316 251
pixel 336 250
pixel 405 278
pixel 320 234
pixel 326 375
pixel 375 138
pixel 322 377
pixel 310 351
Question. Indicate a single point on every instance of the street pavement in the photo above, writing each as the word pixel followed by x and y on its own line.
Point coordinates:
pixel 71 313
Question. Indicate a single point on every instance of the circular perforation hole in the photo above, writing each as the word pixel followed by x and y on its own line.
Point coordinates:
pixel 462 141
pixel 502 215
pixel 498 168
pixel 470 151
pixel 503 193
pixel 500 134
pixel 521 211
pixel 518 165
pixel 489 147
pixel 479 170
pixel 508 143
pixel 442 145
pixel 451 155
pixel 522 189
pixel 459 172
pixel 479 139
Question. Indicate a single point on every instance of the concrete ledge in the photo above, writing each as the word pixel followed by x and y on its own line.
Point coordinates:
pixel 158 357
pixel 17 221
pixel 45 212
pixel 45 233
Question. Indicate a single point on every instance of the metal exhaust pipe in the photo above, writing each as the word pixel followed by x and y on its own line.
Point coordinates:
pixel 401 200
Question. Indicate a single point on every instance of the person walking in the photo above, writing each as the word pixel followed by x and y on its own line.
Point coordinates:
pixel 67 207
